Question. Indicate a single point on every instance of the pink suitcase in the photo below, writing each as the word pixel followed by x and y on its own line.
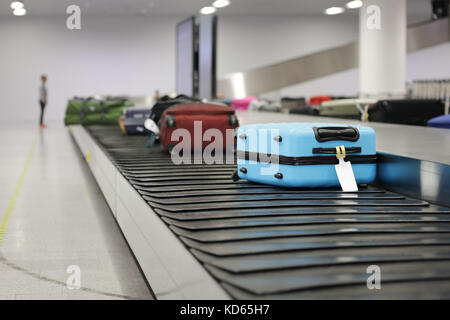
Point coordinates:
pixel 242 104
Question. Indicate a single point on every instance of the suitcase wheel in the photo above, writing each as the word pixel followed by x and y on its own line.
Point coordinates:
pixel 235 176
pixel 278 175
pixel 243 170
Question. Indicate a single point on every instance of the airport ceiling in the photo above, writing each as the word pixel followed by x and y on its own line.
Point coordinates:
pixel 188 7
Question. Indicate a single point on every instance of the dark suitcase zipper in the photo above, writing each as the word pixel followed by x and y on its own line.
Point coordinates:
pixel 303 161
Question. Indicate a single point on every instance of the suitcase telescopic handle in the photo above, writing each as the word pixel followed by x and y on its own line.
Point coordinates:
pixel 336 133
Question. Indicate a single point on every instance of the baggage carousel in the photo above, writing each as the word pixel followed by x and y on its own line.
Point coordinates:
pixel 196 234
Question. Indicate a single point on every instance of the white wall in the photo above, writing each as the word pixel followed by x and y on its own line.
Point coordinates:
pixel 430 63
pixel 344 83
pixel 136 55
pixel 248 42
pixel 114 55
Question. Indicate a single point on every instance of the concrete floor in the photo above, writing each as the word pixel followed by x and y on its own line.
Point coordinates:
pixel 59 219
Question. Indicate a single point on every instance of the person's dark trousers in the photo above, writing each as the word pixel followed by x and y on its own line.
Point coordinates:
pixel 41 121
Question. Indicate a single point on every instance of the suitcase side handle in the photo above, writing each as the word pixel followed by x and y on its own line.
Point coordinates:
pixel 324 134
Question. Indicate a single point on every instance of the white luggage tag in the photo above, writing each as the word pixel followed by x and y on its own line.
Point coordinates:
pixel 151 126
pixel 344 172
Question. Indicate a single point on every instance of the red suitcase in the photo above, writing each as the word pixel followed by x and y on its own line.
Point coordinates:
pixel 196 119
pixel 317 100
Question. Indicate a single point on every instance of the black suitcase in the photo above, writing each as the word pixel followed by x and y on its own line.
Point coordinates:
pixel 166 102
pixel 307 110
pixel 412 112
pixel 158 109
pixel 289 103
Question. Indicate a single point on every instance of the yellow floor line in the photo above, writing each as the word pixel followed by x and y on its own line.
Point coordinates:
pixel 12 202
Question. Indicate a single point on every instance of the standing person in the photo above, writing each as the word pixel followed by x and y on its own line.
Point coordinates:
pixel 43 99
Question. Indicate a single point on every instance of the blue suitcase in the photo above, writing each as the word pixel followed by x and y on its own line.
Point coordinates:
pixel 303 154
pixel 134 119
pixel 440 122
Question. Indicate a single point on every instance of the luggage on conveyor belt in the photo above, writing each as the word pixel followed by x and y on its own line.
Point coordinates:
pixel 242 104
pixel 291 103
pixel 208 115
pixel 90 105
pixel 117 98
pixel 90 111
pixel 345 108
pixel 166 102
pixel 343 97
pixel 122 124
pixel 304 154
pixel 307 110
pixel 223 101
pixel 264 242
pixel 440 122
pixel 412 112
pixel 265 105
pixel 318 100
pixel 133 120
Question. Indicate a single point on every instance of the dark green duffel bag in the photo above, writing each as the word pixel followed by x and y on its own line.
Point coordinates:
pixel 110 118
pixel 90 111
pixel 90 105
